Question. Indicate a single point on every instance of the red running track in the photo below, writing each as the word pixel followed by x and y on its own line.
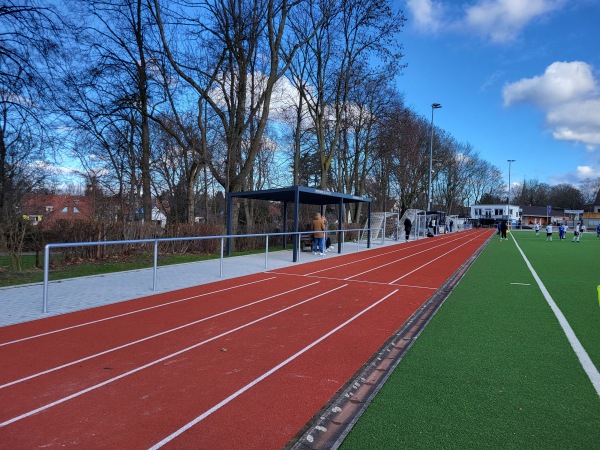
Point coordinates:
pixel 241 363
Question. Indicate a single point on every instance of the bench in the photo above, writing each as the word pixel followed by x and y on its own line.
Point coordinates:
pixel 306 241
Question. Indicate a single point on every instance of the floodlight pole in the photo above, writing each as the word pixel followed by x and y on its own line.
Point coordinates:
pixel 434 106
pixel 510 161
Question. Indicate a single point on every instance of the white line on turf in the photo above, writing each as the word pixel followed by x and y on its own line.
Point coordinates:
pixel 584 358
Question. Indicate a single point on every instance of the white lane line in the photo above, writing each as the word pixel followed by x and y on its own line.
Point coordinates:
pixel 401 249
pixel 405 257
pixel 133 312
pixel 381 283
pixel 164 358
pixel 263 376
pixel 430 262
pixel 584 358
pixel 162 333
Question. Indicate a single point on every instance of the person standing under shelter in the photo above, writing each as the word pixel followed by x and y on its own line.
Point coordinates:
pixel 407 228
pixel 451 225
pixel 319 235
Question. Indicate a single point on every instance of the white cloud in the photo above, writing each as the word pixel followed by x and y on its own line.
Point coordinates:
pixel 569 95
pixel 584 172
pixel 427 14
pixel 502 20
pixel 561 82
pixel 498 20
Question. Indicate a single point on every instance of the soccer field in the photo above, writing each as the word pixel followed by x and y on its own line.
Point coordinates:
pixel 495 368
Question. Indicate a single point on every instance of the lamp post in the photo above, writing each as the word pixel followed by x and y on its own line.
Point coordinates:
pixel 434 106
pixel 510 161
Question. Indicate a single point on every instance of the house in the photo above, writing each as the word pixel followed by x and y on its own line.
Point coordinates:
pixel 496 213
pixel 544 214
pixel 51 207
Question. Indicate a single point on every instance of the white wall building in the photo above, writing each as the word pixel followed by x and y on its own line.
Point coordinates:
pixel 496 212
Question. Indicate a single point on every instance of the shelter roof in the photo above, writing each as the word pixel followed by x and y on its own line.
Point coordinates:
pixel 310 196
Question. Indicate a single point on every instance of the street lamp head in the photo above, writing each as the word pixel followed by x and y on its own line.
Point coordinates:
pixel 436 105
pixel 511 160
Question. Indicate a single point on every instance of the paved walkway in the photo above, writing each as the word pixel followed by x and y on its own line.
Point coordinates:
pixel 24 303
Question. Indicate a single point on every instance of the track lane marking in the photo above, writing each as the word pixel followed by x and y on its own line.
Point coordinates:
pixel 405 257
pixel 162 333
pixel 401 249
pixel 380 283
pixel 164 358
pixel 435 259
pixel 253 383
pixel 132 312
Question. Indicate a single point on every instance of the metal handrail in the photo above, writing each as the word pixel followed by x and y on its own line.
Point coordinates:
pixel 156 241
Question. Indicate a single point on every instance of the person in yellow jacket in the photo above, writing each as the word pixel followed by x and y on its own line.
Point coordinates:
pixel 319 235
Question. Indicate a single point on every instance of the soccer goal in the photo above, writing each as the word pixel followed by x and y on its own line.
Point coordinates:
pixel 384 225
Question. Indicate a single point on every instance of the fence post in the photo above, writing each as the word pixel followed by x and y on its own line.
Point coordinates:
pixel 46 270
pixel 267 253
pixel 221 263
pixel 155 264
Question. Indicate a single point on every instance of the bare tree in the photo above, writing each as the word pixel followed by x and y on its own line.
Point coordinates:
pixel 110 89
pixel 454 177
pixel 566 196
pixel 245 39
pixel 590 189
pixel 404 151
pixel 30 36
pixel 533 193
pixel 350 34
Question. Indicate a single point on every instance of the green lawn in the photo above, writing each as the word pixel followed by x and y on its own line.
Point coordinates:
pixel 493 369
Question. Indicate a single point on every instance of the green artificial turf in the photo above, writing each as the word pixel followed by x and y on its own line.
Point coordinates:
pixel 493 369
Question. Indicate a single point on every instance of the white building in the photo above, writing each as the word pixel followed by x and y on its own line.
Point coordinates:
pixel 496 212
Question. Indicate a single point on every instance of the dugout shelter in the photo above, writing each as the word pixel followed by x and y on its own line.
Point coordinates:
pixel 293 197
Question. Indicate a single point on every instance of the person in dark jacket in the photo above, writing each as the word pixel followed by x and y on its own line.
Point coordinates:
pixel 407 228
pixel 503 228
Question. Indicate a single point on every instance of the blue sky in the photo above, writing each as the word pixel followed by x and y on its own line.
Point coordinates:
pixel 518 79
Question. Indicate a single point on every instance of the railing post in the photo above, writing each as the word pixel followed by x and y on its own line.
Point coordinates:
pixel 155 264
pixel 221 261
pixel 46 270
pixel 267 253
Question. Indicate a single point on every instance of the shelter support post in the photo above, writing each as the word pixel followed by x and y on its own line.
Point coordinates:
pixel 340 221
pixel 229 228
pixel 296 235
pixel 285 225
pixel 369 227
